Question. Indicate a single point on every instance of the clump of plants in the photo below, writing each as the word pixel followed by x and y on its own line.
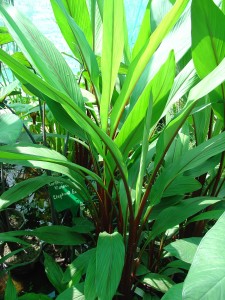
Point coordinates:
pixel 142 147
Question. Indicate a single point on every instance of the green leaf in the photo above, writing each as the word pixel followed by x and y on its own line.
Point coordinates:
pixel 42 157
pixel 183 249
pixel 175 292
pixel 112 50
pixel 178 264
pixel 208 215
pixel 11 128
pixel 189 160
pixel 54 273
pixel 183 82
pixel 5 37
pixel 72 293
pixel 132 130
pixel 177 40
pixel 78 10
pixel 110 255
pixel 90 280
pixel 79 264
pixel 25 188
pixel 158 282
pixel 148 296
pixel 158 12
pixel 210 82
pixel 8 89
pixel 65 235
pixel 81 42
pixel 22 59
pixel 73 111
pixel 206 277
pixel 182 185
pixel 202 121
pixel 41 53
pixel 32 296
pixel 7 237
pixel 10 291
pixel 208 44
pixel 176 214
pixel 83 225
pixel 138 65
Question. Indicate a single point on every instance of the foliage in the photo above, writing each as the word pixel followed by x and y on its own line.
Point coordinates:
pixel 139 136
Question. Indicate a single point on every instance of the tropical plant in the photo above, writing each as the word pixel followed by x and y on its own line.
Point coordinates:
pixel 151 122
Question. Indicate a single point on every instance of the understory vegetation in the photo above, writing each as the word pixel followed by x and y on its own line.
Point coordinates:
pixel 112 176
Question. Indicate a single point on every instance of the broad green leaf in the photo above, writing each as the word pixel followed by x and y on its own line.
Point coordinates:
pixel 216 77
pixel 138 65
pixel 42 157
pixel 10 291
pixel 72 293
pixel 175 292
pixel 158 282
pixel 178 264
pixel 32 296
pixel 178 40
pixel 205 167
pixel 208 44
pixel 223 6
pixel 41 53
pixel 127 50
pixel 11 128
pixel 208 215
pixel 183 82
pixel 142 270
pixel 73 111
pixel 180 186
pixel 83 225
pixel 191 159
pixel 79 40
pixel 5 37
pixel 202 121
pixel 176 214
pixel 148 296
pixel 158 12
pixel 96 21
pixel 183 249
pixel 78 10
pixel 206 277
pixel 90 280
pixel 65 235
pixel 179 146
pixel 79 264
pixel 22 59
pixel 110 254
pixel 54 273
pixel 7 237
pixel 25 188
pixel 112 50
pixel 8 89
pixel 132 129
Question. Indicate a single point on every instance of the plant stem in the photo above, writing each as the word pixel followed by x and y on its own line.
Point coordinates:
pixel 219 174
